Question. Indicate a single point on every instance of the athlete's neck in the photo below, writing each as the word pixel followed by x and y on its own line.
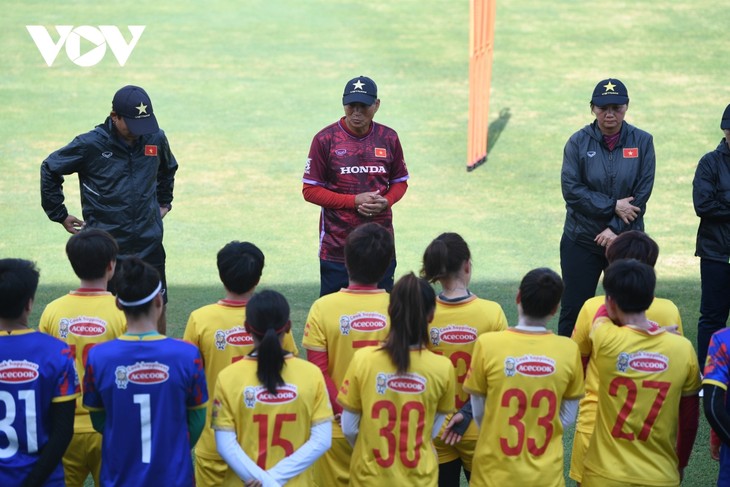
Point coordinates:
pixel 239 298
pixel 95 284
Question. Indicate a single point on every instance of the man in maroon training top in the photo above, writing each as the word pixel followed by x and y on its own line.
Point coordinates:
pixel 356 172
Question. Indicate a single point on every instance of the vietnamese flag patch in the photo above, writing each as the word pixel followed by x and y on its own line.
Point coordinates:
pixel 151 150
pixel 631 153
pixel 380 152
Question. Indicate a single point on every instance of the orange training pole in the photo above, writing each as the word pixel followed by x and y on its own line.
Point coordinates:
pixel 481 46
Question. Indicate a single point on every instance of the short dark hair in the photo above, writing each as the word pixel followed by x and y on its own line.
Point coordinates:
pixel 90 251
pixel 240 265
pixel 18 284
pixel 135 280
pixel 633 244
pixel 369 249
pixel 630 283
pixel 540 292
pixel 444 256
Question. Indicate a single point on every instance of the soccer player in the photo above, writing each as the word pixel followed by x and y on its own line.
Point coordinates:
pixel 38 387
pixel 84 318
pixel 715 384
pixel 218 331
pixel 648 403
pixel 628 245
pixel 340 323
pixel 396 397
pixel 146 392
pixel 525 383
pixel 460 318
pixel 272 418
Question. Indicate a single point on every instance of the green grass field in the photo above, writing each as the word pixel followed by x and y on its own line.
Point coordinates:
pixel 241 88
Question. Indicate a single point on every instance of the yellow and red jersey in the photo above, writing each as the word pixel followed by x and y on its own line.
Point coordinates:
pixel 269 426
pixel 525 376
pixel 397 415
pixel 218 331
pixel 83 319
pixel 643 375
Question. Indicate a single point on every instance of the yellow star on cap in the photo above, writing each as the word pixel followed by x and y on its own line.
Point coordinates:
pixel 610 86
pixel 358 85
pixel 142 108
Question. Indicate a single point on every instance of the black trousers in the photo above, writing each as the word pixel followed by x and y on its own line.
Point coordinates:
pixel 714 305
pixel 581 268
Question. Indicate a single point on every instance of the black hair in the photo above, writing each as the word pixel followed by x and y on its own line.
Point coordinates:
pixel 267 317
pixel 90 251
pixel 239 266
pixel 412 301
pixel 369 249
pixel 135 280
pixel 444 256
pixel 540 292
pixel 633 244
pixel 630 283
pixel 18 284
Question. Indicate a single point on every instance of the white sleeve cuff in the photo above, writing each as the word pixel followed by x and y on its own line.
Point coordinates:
pixel 320 440
pixel 477 406
pixel 568 411
pixel 246 469
pixel 350 426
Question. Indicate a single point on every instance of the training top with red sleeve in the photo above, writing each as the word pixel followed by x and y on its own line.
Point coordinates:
pixel 344 163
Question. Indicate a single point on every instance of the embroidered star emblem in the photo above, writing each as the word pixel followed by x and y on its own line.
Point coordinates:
pixel 609 86
pixel 358 85
pixel 142 108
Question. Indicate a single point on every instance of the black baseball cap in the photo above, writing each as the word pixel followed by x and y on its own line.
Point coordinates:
pixel 610 92
pixel 133 104
pixel 725 122
pixel 360 90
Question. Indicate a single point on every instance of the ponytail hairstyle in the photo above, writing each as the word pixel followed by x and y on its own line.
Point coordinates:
pixel 267 317
pixel 137 284
pixel 412 304
pixel 444 257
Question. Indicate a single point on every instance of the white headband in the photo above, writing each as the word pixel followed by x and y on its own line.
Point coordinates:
pixel 142 301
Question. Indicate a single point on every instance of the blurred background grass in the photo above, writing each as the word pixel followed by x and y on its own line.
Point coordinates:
pixel 241 88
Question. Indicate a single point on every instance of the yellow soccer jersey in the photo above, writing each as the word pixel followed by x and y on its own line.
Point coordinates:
pixel 643 374
pixel 662 312
pixel 218 331
pixel 83 318
pixel 343 322
pixel 270 427
pixel 397 413
pixel 525 377
pixel 453 333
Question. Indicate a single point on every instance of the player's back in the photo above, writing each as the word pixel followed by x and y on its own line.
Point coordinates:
pixel 35 370
pixel 397 415
pixel 83 319
pixel 525 377
pixel 643 375
pixel 268 426
pixel 145 385
pixel 345 321
pixel 218 331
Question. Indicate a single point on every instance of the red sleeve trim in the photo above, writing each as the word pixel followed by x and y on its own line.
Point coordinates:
pixel 395 193
pixel 321 360
pixel 689 421
pixel 326 198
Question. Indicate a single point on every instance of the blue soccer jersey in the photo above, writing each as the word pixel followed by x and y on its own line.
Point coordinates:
pixel 717 373
pixel 35 371
pixel 146 385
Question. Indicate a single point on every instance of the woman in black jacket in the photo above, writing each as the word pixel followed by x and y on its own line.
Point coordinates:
pixel 711 196
pixel 607 178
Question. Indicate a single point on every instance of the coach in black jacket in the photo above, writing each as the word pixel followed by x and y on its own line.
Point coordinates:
pixel 126 176
pixel 607 179
pixel 711 196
